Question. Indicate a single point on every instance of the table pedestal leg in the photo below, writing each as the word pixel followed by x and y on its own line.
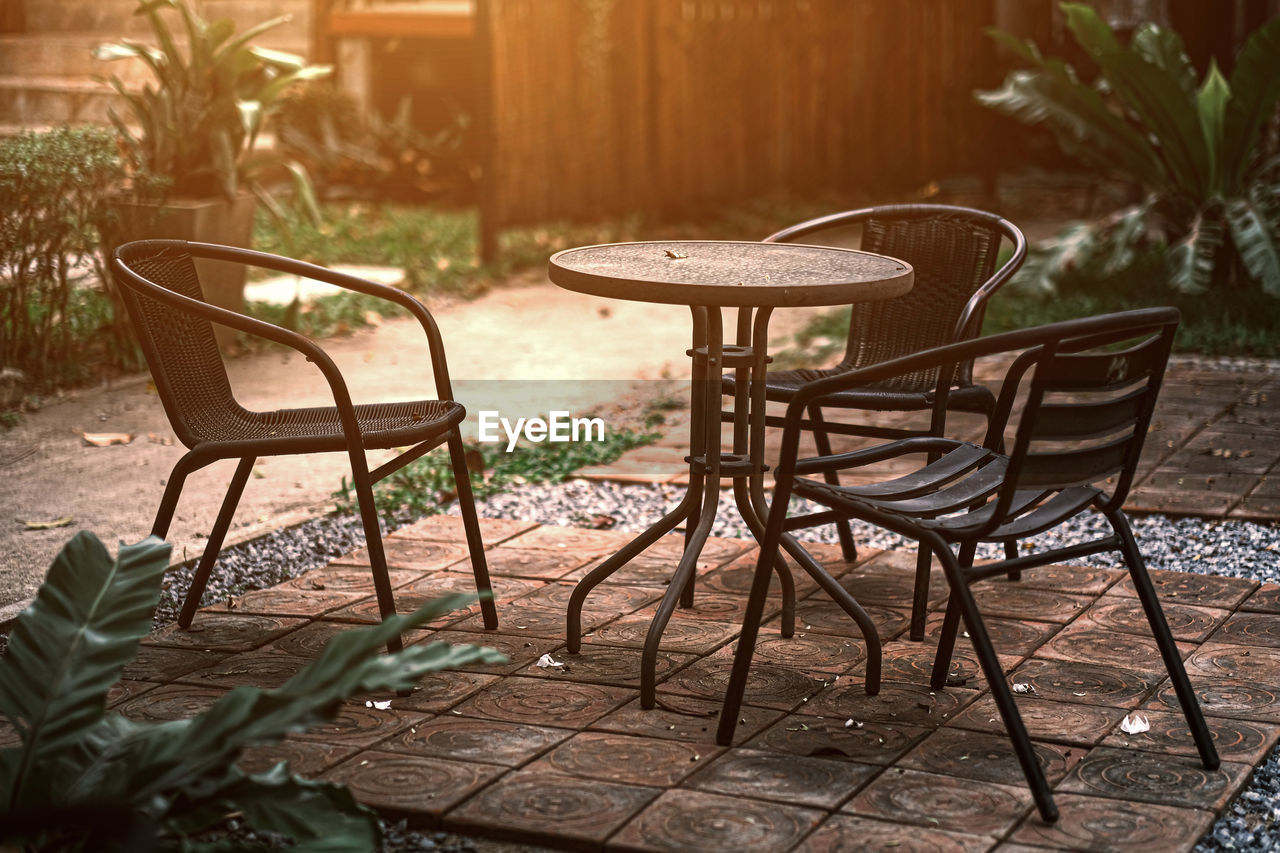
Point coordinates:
pixel 701 501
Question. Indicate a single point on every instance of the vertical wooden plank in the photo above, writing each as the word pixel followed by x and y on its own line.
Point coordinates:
pixel 485 129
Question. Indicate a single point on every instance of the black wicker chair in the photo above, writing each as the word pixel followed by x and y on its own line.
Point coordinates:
pixel 955 254
pixel 1086 390
pixel 161 289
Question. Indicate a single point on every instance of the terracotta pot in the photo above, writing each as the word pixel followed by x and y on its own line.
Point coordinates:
pixel 213 220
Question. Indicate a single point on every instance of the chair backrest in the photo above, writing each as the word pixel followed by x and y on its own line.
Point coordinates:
pixel 954 252
pixel 179 346
pixel 1087 405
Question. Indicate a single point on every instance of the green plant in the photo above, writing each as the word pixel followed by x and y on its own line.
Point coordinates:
pixel 53 185
pixel 194 129
pixel 423 487
pixel 353 152
pixel 1210 192
pixel 86 779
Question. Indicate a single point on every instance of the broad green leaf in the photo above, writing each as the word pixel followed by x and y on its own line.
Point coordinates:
pixel 1080 120
pixel 71 644
pixel 250 117
pixel 279 58
pixel 276 87
pixel 224 161
pixel 239 42
pixel 1257 238
pixel 1255 90
pixel 350 663
pixel 1211 106
pixel 321 816
pixel 1164 49
pixel 1192 259
pixel 1024 48
pixel 1092 33
pixel 124 50
pixel 1156 98
pixel 304 192
pixel 1121 234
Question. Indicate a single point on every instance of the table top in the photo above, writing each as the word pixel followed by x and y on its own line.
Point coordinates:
pixel 730 273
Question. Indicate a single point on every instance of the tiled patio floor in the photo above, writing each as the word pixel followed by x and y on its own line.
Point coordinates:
pixel 1213 450
pixel 569 760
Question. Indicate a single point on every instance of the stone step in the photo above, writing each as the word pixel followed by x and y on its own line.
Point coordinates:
pixel 116 17
pixel 108 16
pixel 64 55
pixel 53 100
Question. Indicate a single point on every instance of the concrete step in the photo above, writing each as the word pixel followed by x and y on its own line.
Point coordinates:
pixel 108 16
pixel 53 100
pixel 64 55
pixel 116 17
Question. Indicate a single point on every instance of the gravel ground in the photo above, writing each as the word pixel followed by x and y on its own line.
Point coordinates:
pixel 1238 549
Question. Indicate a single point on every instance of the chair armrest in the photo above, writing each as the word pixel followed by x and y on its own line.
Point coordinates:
pixel 1021 339
pixel 435 343
pixel 878 453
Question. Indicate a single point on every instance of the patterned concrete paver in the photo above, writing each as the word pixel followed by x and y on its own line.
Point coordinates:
pixel 1213 449
pixel 568 759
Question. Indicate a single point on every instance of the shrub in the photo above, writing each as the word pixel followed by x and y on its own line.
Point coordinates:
pixel 1211 194
pixel 52 187
pixel 83 778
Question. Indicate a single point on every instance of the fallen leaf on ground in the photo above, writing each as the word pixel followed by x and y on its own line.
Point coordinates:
pixel 106 439
pixel 1134 724
pixel 548 662
pixel 49 525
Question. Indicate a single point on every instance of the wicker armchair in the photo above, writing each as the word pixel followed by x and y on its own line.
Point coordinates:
pixel 955 254
pixel 161 290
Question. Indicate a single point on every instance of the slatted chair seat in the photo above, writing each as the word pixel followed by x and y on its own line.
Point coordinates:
pixel 1084 392
pixel 160 286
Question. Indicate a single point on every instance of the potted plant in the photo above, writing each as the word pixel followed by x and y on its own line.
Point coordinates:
pixel 191 134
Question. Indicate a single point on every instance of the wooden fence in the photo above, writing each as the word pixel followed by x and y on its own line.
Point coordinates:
pixel 675 105
pixel 592 107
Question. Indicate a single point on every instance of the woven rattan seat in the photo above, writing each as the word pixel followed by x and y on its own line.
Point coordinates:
pixel 955 252
pixel 1073 411
pixel 160 286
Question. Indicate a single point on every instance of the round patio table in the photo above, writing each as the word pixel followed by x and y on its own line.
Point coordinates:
pixel 709 276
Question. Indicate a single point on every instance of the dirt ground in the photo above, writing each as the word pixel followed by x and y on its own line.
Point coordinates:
pixel 522 347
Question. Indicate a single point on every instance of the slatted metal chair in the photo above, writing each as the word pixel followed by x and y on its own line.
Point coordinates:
pixel 955 252
pixel 161 289
pixel 1084 391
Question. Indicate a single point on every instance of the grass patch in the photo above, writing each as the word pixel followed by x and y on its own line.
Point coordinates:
pixel 438 249
pixel 425 486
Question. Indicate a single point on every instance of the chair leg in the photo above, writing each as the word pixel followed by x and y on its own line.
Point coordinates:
pixel 747 639
pixel 172 491
pixel 1011 552
pixel 219 532
pixel 950 622
pixel 822 440
pixel 1000 691
pixel 920 597
pixel 1164 639
pixel 946 644
pixel 373 540
pixel 471 524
